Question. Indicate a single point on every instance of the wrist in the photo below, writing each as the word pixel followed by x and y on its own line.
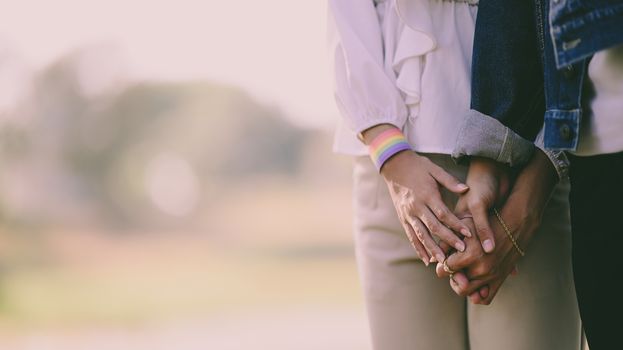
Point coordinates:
pixel 396 163
pixel 535 183
pixel 384 143
pixel 484 166
pixel 530 195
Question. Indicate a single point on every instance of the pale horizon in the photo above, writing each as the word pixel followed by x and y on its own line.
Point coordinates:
pixel 275 50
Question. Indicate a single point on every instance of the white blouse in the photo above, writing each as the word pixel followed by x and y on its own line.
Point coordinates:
pixel 402 62
pixel 601 130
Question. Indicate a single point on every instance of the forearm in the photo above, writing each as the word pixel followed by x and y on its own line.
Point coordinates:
pixel 530 194
pixel 559 159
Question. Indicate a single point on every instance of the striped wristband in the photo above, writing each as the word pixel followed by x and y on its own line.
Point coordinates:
pixel 386 145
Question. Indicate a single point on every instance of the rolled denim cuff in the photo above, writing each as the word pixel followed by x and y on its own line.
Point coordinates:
pixel 558 158
pixel 483 136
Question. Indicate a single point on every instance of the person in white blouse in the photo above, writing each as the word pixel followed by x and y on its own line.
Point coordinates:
pixel 402 84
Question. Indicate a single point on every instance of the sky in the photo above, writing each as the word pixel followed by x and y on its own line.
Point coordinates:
pixel 274 49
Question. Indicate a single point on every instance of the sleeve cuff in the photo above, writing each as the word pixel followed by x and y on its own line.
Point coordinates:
pixel 558 158
pixel 483 136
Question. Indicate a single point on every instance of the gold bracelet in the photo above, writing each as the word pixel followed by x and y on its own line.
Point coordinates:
pixel 508 232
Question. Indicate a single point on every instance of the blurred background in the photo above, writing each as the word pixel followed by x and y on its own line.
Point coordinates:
pixel 167 181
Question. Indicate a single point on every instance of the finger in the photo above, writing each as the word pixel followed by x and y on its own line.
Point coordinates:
pixel 475 298
pixel 448 181
pixel 478 296
pixel 463 286
pixel 483 229
pixel 445 247
pixel 458 283
pixel 484 291
pixel 423 235
pixel 448 218
pixel 416 244
pixel 441 271
pixel 494 287
pixel 472 254
pixel 439 230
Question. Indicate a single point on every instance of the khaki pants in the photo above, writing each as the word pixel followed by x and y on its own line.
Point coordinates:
pixel 410 308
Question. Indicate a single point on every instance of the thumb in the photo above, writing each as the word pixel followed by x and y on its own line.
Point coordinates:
pixel 483 229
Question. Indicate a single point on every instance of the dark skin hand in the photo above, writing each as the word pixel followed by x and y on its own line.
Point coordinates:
pixel 489 184
pixel 482 274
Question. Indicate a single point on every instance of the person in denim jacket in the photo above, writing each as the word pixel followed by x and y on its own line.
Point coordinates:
pixel 547 79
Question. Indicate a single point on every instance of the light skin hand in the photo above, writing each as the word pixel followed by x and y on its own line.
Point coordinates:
pixel 414 184
pixel 522 213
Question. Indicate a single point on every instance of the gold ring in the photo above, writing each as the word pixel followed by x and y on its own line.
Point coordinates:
pixel 447 269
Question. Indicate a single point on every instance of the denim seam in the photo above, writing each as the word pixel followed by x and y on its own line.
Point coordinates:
pixel 507 145
pixel 560 161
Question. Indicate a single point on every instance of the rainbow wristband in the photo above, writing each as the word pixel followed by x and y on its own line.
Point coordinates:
pixel 386 145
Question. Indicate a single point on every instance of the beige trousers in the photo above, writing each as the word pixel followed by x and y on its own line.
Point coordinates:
pixel 410 308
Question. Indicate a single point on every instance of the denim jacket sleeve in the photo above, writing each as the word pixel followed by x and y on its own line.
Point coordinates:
pixel 558 158
pixel 484 136
pixel 508 101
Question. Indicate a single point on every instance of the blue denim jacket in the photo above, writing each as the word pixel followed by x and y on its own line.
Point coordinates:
pixel 528 68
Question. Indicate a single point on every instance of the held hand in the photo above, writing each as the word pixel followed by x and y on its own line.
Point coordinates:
pixel 413 182
pixel 460 261
pixel 489 184
pixel 521 214
pixel 481 275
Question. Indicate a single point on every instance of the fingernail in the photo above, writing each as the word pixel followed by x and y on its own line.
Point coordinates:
pixel 440 257
pixel 425 262
pixel 487 245
pixel 466 232
pixel 432 259
pixel 460 246
pixel 462 187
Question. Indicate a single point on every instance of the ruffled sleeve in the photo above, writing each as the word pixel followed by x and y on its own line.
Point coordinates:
pixel 414 41
pixel 366 92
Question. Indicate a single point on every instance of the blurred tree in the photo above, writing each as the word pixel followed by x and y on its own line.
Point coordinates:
pixel 92 152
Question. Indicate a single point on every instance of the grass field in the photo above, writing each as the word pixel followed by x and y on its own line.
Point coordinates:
pixel 273 269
